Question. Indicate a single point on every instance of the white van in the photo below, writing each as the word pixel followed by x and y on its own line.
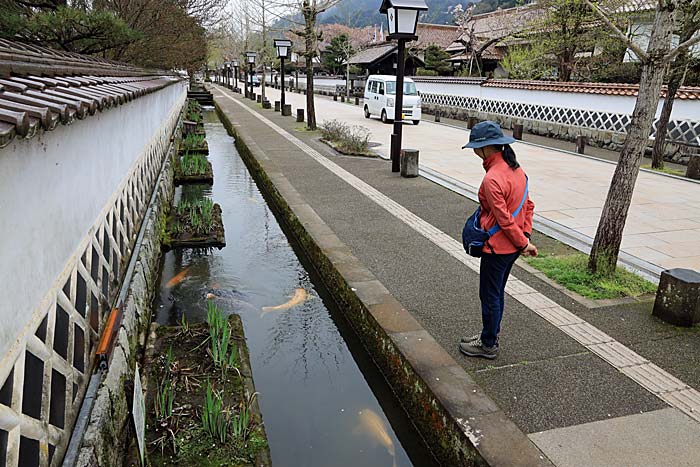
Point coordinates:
pixel 380 98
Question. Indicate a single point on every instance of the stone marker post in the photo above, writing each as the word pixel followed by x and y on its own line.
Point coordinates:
pixel 342 98
pixel 409 163
pixel 471 121
pixel 357 101
pixel 437 116
pixel 287 110
pixel 693 170
pixel 335 97
pixel 518 131
pixel 258 98
pixel 581 144
pixel 300 115
pixel 277 106
pixel 189 127
pixel 678 297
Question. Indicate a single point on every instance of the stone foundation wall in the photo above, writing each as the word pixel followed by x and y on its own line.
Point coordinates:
pixel 103 443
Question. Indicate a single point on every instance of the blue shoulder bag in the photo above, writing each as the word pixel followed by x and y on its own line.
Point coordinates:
pixel 474 237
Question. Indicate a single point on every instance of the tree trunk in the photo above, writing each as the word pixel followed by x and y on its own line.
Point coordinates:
pixel 657 157
pixel 310 52
pixel 675 81
pixel 606 246
pixel 310 108
pixel 566 66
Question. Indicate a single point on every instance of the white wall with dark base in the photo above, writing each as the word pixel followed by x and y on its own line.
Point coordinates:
pixel 71 202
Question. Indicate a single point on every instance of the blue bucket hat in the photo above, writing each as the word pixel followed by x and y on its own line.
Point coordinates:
pixel 487 133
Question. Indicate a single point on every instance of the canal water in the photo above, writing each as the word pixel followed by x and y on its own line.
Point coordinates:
pixel 323 401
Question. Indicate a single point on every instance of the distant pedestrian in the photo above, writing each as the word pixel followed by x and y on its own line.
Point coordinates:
pixel 504 219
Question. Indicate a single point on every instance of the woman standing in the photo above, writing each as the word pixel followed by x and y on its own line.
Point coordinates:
pixel 502 191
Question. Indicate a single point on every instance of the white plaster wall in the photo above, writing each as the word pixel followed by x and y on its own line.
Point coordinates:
pixel 599 103
pixel 53 188
pixel 470 90
pixel 682 110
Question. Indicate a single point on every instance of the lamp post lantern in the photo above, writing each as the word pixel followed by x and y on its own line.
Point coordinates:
pixel 284 49
pixel 251 61
pixel 234 64
pixel 228 75
pixel 402 19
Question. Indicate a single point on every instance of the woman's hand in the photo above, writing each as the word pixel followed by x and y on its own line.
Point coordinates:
pixel 530 250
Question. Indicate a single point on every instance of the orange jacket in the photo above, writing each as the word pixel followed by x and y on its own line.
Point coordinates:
pixel 500 194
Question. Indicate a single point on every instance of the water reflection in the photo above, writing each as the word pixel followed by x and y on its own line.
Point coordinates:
pixel 317 405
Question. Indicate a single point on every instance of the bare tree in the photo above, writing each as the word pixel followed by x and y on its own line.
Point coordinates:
pixel 308 32
pixel 655 61
pixel 348 51
pixel 499 27
pixel 261 17
pixel 690 22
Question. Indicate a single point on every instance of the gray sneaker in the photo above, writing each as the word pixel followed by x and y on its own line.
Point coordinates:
pixel 475 337
pixel 478 349
pixel 468 340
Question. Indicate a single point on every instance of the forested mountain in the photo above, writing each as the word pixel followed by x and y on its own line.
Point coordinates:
pixel 360 13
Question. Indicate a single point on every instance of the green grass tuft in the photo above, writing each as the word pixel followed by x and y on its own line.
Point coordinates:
pixel 193 164
pixel 571 271
pixel 666 170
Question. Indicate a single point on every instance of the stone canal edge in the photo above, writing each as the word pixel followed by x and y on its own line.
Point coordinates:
pixel 460 423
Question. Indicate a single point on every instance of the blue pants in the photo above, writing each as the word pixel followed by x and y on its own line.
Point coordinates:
pixel 492 284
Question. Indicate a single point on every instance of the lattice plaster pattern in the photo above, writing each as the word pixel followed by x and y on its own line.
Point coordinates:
pixel 449 100
pixel 685 131
pixel 46 373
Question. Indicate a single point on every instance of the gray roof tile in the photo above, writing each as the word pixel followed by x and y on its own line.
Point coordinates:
pixel 41 88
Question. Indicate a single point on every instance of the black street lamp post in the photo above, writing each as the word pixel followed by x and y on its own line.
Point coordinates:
pixel 235 74
pixel 283 47
pixel 251 61
pixel 402 17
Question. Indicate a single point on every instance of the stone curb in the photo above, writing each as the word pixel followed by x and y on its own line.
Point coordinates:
pixel 460 423
pixel 103 442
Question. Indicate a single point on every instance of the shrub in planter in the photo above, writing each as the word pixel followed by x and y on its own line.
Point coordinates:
pixel 348 138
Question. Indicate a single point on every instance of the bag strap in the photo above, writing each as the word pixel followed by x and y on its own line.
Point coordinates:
pixel 497 227
pixel 522 201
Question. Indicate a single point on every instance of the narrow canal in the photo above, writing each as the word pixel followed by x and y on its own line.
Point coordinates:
pixel 323 401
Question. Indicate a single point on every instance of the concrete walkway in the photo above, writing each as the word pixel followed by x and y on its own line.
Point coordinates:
pixel 605 386
pixel 663 227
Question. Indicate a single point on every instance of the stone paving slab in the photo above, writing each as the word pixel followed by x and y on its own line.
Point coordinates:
pixel 617 442
pixel 434 287
pixel 568 190
pixel 567 400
